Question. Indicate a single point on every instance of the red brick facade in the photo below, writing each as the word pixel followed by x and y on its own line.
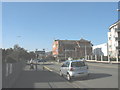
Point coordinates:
pixel 71 48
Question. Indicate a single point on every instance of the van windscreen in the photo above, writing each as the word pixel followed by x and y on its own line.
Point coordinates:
pixel 77 64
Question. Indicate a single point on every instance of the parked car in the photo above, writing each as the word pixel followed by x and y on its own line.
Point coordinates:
pixel 36 61
pixel 74 68
pixel 42 60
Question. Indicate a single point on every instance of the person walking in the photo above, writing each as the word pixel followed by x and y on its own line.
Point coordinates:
pixel 31 64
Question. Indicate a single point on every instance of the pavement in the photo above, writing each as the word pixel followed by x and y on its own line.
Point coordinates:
pixel 111 62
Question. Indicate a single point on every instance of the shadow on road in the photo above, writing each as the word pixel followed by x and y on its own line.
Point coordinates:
pixel 30 77
pixel 93 76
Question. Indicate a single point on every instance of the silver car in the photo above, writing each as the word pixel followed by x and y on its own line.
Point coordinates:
pixel 74 68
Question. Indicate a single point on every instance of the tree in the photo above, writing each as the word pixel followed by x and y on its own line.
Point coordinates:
pixel 16 54
pixel 32 55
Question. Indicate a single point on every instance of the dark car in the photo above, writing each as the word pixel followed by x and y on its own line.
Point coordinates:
pixel 42 60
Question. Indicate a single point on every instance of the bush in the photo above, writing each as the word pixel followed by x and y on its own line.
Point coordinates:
pixel 112 59
pixel 10 59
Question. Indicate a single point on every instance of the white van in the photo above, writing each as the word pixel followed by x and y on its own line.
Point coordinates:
pixel 74 68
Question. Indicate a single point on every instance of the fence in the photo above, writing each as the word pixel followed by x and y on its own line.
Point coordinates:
pixel 10 73
pixel 98 58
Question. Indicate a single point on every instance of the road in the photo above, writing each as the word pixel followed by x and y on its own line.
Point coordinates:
pixel 101 76
pixel 41 79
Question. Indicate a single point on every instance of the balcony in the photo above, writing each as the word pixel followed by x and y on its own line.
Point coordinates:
pixel 117 39
pixel 117 29
pixel 118 47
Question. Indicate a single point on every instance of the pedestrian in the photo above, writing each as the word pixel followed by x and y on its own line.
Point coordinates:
pixel 31 64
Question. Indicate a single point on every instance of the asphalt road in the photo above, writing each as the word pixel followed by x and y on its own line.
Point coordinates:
pixel 41 79
pixel 101 75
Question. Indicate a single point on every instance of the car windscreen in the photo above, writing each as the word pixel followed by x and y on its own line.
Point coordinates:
pixel 77 64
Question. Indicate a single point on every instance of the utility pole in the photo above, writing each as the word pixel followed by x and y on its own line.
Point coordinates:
pixel 36 59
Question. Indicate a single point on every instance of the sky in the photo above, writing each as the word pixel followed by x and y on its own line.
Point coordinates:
pixel 35 25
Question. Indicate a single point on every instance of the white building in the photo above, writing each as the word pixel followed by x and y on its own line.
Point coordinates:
pixel 100 49
pixel 114 40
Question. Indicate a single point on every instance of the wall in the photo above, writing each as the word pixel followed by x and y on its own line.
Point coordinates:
pixel 10 73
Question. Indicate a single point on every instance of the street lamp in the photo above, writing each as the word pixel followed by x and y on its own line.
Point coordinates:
pixel 118 9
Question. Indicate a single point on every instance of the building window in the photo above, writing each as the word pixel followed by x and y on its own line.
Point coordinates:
pixel 109 38
pixel 110 46
pixel 116 38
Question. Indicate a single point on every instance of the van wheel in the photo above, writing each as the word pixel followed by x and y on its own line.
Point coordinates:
pixel 68 77
pixel 61 73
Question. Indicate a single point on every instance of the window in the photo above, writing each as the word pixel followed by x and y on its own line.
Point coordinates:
pixel 67 64
pixel 64 65
pixel 77 64
pixel 110 46
pixel 109 38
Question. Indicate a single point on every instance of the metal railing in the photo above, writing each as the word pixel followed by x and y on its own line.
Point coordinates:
pixel 117 39
pixel 116 29
pixel 118 47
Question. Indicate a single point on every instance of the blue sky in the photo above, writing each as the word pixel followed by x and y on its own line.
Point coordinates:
pixel 36 25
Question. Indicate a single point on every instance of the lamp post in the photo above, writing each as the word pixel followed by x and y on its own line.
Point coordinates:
pixel 118 9
pixel 36 59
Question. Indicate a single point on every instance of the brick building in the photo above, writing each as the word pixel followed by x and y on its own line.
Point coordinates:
pixel 63 49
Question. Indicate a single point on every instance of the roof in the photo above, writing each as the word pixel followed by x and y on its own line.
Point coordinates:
pixel 81 40
pixel 116 23
pixel 66 40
